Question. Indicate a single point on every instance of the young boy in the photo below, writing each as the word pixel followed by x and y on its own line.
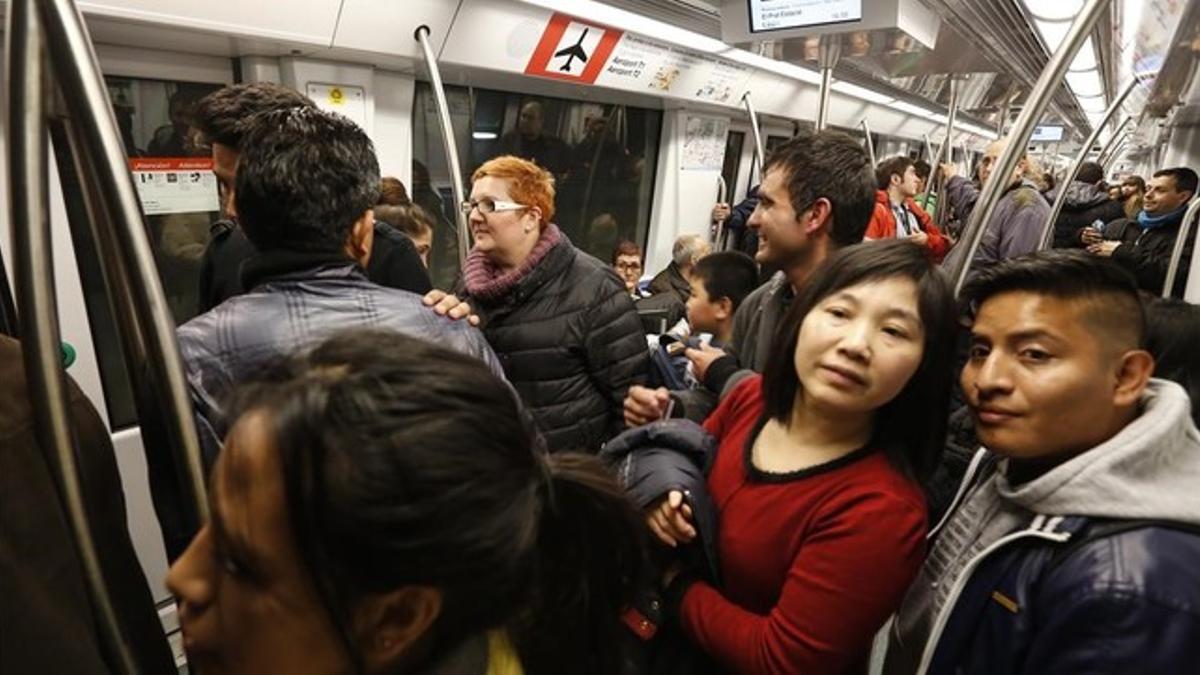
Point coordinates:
pixel 1077 550
pixel 720 281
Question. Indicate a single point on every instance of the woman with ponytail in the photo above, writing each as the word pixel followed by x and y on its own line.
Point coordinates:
pixel 378 508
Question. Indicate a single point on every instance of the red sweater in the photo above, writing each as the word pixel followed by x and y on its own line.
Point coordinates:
pixel 812 562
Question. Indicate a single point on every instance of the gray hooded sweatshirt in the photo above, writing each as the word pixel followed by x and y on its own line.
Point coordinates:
pixel 1148 470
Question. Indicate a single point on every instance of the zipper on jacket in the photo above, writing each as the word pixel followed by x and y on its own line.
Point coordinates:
pixel 1041 528
pixel 963 486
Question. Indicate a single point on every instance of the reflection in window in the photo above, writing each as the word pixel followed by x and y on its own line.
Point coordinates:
pixel 602 157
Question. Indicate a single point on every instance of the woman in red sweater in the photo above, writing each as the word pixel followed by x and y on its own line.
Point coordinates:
pixel 817 471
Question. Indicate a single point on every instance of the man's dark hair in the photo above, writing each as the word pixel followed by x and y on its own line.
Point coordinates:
pixel 728 274
pixel 304 177
pixel 1114 308
pixel 1185 178
pixel 1091 173
pixel 405 463
pixel 222 115
pixel 922 168
pixel 892 166
pixel 833 165
pixel 911 428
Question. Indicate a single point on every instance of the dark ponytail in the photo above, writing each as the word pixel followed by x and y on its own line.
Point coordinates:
pixel 591 557
pixel 408 464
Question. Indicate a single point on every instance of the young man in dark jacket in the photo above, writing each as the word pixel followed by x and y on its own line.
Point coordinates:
pixel 1076 551
pixel 305 185
pixel 1143 244
pixel 1084 205
pixel 817 194
pixel 221 119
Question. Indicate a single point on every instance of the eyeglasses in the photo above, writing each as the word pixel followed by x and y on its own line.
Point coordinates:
pixel 628 266
pixel 488 205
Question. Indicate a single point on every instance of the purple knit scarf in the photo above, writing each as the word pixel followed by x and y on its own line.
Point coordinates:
pixel 485 281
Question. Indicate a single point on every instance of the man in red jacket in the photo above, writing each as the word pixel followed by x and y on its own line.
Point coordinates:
pixel 896 214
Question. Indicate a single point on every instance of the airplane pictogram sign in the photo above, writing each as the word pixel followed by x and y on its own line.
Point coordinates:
pixel 573 50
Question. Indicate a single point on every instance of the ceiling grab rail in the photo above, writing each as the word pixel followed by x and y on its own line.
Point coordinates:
pixel 1111 143
pixel 866 127
pixel 941 215
pixel 1039 98
pixel 1073 170
pixel 28 156
pixel 1111 157
pixel 828 53
pixel 757 133
pixel 146 325
pixel 1185 231
pixel 448 142
pixel 719 231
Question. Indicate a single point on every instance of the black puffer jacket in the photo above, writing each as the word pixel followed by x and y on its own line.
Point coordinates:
pixel 571 344
pixel 1085 204
pixel 1146 252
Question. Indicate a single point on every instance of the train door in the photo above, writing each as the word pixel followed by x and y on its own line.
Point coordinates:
pixel 152 93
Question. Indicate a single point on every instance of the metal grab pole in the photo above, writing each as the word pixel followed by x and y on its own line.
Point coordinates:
pixel 923 200
pixel 448 141
pixel 722 195
pixel 1073 170
pixel 156 368
pixel 758 142
pixel 948 143
pixel 1185 231
pixel 1112 156
pixel 828 52
pixel 966 153
pixel 1113 140
pixel 34 270
pixel 1031 112
pixel 870 143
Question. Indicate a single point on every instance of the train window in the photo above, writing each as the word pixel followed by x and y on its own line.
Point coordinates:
pixel 729 167
pixel 603 158
pixel 774 142
pixel 173 174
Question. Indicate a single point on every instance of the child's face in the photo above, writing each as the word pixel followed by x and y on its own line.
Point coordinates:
pixel 704 313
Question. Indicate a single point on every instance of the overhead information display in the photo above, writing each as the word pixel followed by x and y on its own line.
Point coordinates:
pixel 767 15
pixel 1046 133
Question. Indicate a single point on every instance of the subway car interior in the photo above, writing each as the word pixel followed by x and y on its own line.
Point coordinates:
pixel 654 120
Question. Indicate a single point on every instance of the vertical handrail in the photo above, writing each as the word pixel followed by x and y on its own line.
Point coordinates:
pixel 29 180
pixel 823 100
pixel 1073 170
pixel 968 164
pixel 1185 229
pixel 448 142
pixel 758 141
pixel 159 374
pixel 923 200
pixel 1045 89
pixel 1111 157
pixel 866 127
pixel 942 214
pixel 722 195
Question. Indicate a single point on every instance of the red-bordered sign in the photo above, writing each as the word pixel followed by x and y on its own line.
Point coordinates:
pixel 572 50
pixel 171 164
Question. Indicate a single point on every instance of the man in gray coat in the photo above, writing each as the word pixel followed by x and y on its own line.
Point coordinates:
pixel 1015 227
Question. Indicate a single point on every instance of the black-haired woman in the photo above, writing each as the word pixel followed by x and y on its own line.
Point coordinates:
pixel 378 508
pixel 817 474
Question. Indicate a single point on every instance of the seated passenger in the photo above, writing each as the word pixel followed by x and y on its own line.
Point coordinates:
pixel 817 195
pixel 720 281
pixel 1084 205
pixel 1076 551
pixel 687 250
pixel 896 215
pixel 817 472
pixel 379 508
pixel 627 262
pixel 221 118
pixel 1016 224
pixel 409 220
pixel 561 321
pixel 1143 245
pixel 306 182
pixel 1133 189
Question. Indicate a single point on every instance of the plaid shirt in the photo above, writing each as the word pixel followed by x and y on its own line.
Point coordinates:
pixel 294 311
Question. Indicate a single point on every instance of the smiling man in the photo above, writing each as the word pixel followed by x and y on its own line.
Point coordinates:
pixel 1076 551
pixel 817 194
